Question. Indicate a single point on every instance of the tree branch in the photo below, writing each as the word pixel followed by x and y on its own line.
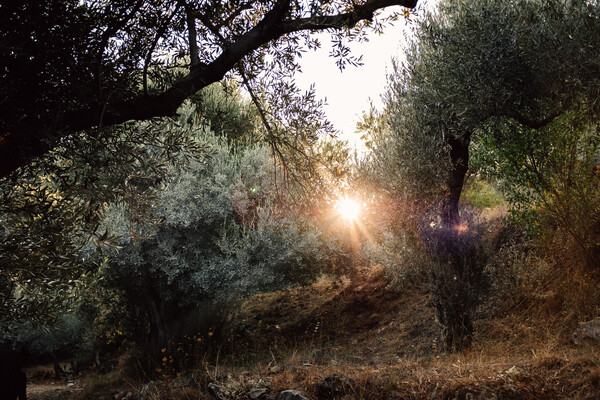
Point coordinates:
pixel 261 111
pixel 536 124
pixel 35 137
pixel 345 20
pixel 192 36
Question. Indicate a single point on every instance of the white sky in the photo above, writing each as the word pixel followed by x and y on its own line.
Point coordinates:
pixel 350 92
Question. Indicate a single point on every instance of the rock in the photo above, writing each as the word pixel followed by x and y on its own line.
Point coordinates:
pixel 487 395
pixel 292 395
pixel 587 332
pixel 435 393
pixel 151 390
pixel 335 386
pixel 258 393
pixel 216 391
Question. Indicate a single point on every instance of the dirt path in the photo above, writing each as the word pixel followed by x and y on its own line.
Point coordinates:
pixel 46 391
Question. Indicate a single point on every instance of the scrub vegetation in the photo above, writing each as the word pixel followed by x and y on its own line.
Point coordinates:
pixel 179 221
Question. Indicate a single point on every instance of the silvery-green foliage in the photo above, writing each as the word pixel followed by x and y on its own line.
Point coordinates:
pixel 51 212
pixel 223 234
pixel 398 252
pixel 61 340
pixel 472 61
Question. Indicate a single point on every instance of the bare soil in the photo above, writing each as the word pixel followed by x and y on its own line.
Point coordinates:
pixel 385 341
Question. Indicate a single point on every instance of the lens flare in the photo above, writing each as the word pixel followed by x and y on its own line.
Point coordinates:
pixel 348 208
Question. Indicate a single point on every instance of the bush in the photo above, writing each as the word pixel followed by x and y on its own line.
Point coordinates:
pixel 226 233
pixel 481 194
pixel 401 254
pixel 34 344
pixel 550 179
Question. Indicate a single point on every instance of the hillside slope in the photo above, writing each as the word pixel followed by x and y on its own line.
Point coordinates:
pixel 376 343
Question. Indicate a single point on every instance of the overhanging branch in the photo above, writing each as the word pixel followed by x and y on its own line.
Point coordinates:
pixel 35 137
pixel 536 124
pixel 345 20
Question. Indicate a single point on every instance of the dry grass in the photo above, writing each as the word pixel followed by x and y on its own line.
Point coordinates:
pixel 385 341
pixel 390 352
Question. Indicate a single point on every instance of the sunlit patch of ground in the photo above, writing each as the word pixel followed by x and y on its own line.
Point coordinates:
pixel 358 320
pixel 45 391
pixel 41 384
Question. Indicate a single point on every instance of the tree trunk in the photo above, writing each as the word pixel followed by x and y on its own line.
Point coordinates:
pixel 459 159
pixel 452 287
pixel 158 336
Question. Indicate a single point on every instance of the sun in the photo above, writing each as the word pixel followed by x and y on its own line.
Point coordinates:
pixel 348 208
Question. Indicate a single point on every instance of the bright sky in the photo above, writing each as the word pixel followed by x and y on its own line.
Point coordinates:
pixel 350 92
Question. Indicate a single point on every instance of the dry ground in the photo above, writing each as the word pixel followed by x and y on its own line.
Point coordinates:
pixel 385 341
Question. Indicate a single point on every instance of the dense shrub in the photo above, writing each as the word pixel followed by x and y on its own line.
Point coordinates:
pixel 226 232
pixel 550 178
pixel 65 339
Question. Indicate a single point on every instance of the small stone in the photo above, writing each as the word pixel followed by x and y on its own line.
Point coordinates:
pixel 292 395
pixel 334 386
pixel 216 391
pixel 258 393
pixel 587 332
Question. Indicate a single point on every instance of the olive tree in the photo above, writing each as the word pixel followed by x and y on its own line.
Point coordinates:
pixel 70 65
pixel 471 65
pixel 50 210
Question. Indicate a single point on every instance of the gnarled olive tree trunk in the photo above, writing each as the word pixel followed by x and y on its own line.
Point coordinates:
pixel 456 269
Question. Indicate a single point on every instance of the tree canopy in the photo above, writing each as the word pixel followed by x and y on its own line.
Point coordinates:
pixel 71 65
pixel 473 64
pixel 509 73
